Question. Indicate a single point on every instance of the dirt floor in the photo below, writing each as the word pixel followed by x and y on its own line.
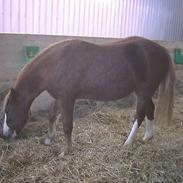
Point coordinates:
pixel 100 130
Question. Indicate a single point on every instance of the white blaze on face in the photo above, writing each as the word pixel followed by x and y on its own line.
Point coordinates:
pixel 6 129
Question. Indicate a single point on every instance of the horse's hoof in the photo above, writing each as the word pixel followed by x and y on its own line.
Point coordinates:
pixel 68 151
pixel 127 143
pixel 62 155
pixel 47 141
pixel 147 138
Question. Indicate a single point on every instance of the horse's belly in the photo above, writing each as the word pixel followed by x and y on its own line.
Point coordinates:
pixel 107 92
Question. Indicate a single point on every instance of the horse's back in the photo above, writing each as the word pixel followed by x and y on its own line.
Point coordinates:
pixel 106 71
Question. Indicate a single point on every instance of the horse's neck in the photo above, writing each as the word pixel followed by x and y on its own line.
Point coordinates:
pixel 28 90
pixel 26 97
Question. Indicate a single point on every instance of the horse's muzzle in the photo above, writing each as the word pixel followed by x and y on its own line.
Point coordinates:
pixel 7 133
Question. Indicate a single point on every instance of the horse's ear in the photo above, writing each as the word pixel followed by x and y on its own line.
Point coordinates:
pixel 10 94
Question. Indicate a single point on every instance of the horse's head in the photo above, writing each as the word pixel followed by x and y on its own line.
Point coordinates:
pixel 14 115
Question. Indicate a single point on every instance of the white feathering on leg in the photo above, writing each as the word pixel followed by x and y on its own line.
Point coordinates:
pixel 149 129
pixel 132 134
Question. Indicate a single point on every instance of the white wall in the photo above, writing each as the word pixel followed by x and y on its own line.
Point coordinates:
pixel 155 19
pixel 11 57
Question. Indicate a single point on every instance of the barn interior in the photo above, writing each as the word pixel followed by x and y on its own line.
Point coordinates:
pixel 100 128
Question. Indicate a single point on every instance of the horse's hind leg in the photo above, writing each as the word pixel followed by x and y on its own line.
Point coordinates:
pixel 149 123
pixel 139 117
pixel 53 117
pixel 145 107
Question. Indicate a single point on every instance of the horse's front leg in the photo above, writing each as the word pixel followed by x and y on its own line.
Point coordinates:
pixel 67 107
pixel 53 117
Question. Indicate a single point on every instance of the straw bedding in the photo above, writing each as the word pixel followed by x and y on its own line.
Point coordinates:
pixel 100 130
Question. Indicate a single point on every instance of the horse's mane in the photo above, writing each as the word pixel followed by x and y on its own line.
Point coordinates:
pixel 37 60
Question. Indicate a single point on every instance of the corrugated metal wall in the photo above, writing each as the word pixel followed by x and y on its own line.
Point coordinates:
pixel 155 19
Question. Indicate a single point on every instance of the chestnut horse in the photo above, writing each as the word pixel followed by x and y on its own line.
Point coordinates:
pixel 76 69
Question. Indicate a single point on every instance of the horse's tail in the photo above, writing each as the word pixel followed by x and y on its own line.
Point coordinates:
pixel 164 112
